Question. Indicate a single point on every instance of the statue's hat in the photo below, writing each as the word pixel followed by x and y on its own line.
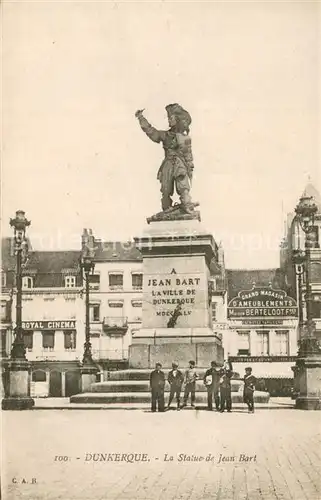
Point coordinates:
pixel 177 109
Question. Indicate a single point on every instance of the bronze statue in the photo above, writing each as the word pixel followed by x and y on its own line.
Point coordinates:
pixel 177 166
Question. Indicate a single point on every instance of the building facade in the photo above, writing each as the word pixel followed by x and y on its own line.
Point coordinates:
pixel 53 319
pixel 295 241
pixel 262 315
pixel 115 300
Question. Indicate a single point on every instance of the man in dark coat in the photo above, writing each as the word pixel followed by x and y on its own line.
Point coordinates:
pixel 157 385
pixel 175 379
pixel 211 381
pixel 249 388
pixel 225 387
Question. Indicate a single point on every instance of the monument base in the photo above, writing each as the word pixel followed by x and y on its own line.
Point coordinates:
pixel 203 348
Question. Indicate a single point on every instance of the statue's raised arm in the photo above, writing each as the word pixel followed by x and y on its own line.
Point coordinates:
pixel 154 134
pixel 177 166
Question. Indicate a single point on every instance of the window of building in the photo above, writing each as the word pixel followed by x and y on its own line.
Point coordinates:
pixel 28 340
pixel 3 279
pixel 282 343
pixel 48 340
pixel 243 343
pixel 4 310
pixel 70 281
pixel 70 339
pixel 3 343
pixel 116 303
pixel 316 309
pixel 116 280
pixel 27 282
pixel 94 312
pixel 137 303
pixel 314 237
pixel 262 343
pixel 137 281
pixel 39 376
pixel 94 281
pixel 214 311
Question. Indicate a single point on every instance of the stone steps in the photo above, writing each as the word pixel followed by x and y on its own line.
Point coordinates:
pixel 132 386
pixel 143 386
pixel 145 397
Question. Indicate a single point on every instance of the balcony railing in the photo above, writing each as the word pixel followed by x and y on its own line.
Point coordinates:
pixel 110 354
pixel 119 324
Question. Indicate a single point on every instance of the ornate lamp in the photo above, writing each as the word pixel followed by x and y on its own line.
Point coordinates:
pixel 19 223
pixel 305 214
pixel 17 369
pixel 88 266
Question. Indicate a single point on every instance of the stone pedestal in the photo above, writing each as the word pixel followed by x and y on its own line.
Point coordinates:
pixel 308 382
pixel 177 314
pixel 88 377
pixel 18 376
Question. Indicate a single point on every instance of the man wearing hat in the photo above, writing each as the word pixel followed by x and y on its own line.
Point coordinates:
pixel 211 381
pixel 226 373
pixel 249 388
pixel 190 383
pixel 175 379
pixel 157 385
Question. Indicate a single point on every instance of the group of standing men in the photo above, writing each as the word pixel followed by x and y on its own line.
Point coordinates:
pixel 216 379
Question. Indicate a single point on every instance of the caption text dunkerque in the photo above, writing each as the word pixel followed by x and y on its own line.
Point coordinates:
pixel 218 458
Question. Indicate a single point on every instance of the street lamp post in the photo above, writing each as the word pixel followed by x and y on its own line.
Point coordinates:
pixel 308 364
pixel 18 368
pixel 89 369
pixel 298 258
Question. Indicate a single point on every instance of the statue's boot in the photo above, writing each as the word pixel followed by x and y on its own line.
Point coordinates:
pixel 186 201
pixel 167 202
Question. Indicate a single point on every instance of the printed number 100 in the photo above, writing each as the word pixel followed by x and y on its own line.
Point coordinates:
pixel 60 458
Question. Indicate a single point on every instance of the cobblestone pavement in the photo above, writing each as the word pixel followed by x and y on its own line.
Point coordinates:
pixel 276 455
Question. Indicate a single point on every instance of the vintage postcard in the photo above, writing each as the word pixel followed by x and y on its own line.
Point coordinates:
pixel 160 250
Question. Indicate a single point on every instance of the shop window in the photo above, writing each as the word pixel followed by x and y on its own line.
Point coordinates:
pixel 243 342
pixel 28 340
pixel 137 281
pixel 39 376
pixel 282 343
pixel 94 312
pixel 116 280
pixel 27 282
pixel 70 340
pixel 262 343
pixel 48 340
pixel 70 281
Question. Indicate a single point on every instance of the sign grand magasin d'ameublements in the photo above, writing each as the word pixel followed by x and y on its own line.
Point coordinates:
pixel 262 303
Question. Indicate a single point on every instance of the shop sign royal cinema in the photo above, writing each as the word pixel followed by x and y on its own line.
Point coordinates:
pixel 262 302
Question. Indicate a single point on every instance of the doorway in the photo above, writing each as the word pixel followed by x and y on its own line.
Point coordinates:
pixel 55 390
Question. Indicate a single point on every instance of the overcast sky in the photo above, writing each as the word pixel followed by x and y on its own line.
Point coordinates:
pixel 73 153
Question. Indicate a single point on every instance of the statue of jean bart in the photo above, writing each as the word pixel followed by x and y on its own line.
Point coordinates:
pixel 177 167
